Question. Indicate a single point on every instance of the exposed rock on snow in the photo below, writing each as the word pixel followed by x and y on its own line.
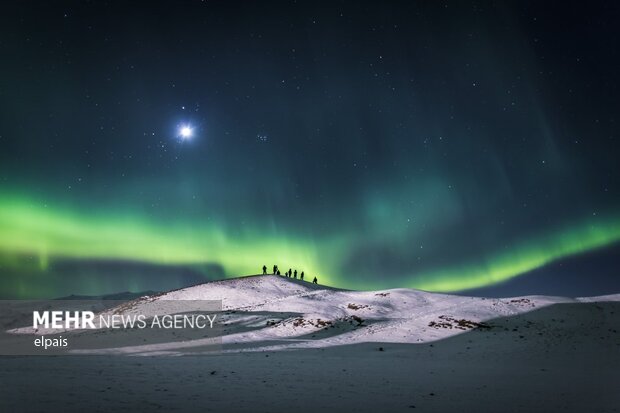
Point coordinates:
pixel 276 313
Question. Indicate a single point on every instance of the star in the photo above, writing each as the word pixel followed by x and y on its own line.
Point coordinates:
pixel 186 132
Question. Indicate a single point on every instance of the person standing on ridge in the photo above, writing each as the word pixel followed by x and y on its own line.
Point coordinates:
pixel 301 277
pixel 264 269
pixel 295 274
pixel 275 269
pixel 290 273
pixel 315 281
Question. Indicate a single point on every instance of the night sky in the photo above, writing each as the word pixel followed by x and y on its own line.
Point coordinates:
pixel 441 146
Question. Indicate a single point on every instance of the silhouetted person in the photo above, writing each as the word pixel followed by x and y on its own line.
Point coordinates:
pixel 301 277
pixel 264 269
pixel 275 269
pixel 290 273
pixel 278 272
pixel 295 274
pixel 315 281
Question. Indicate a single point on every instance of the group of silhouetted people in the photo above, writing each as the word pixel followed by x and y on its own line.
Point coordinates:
pixel 290 273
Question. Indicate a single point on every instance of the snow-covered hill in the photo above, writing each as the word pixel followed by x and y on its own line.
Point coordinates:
pixel 363 351
pixel 276 313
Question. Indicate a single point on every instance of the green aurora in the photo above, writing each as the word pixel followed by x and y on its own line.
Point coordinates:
pixel 46 233
pixel 463 149
pixel 27 228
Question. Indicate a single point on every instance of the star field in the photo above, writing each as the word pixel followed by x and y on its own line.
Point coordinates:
pixel 443 146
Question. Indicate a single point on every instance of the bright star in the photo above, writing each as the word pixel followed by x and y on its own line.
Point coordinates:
pixel 186 132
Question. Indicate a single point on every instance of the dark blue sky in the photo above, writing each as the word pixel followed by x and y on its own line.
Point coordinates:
pixel 443 146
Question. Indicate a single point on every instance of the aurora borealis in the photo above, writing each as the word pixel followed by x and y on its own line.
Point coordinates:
pixel 433 146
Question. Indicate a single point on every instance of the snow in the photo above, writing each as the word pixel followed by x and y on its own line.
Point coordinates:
pixel 275 313
pixel 540 354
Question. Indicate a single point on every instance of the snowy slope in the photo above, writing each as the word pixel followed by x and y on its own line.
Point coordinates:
pixel 277 313
pixel 363 351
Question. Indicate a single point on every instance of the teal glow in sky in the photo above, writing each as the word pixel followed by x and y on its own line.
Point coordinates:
pixel 374 146
pixel 45 233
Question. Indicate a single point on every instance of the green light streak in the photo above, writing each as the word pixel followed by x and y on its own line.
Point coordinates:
pixel 523 258
pixel 29 228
